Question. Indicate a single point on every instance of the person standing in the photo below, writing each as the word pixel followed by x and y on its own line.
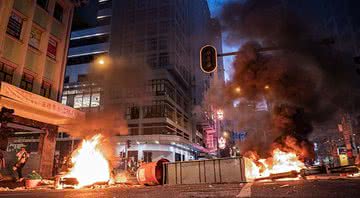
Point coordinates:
pixel 22 157
pixel 2 161
pixel 2 164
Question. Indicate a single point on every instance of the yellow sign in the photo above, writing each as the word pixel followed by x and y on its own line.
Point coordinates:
pixel 343 160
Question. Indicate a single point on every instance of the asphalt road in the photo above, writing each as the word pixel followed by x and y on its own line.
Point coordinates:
pixel 316 188
pixel 303 188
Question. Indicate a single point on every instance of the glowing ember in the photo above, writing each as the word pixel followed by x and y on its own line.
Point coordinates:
pixel 90 164
pixel 279 162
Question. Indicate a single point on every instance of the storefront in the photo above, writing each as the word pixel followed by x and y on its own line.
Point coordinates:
pixel 35 124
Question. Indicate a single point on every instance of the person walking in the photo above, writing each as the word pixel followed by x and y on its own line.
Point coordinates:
pixel 22 157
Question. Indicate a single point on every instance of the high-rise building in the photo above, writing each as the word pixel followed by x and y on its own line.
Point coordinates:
pixel 34 36
pixel 89 40
pixel 164 36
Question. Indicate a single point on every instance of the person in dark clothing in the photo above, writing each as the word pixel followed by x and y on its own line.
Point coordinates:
pixel 2 161
pixel 22 157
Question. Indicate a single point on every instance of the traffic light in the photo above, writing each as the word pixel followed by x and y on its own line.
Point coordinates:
pixel 6 115
pixel 128 143
pixel 208 59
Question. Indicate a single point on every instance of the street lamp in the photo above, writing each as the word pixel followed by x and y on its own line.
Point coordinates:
pixel 101 61
pixel 266 87
pixel 237 89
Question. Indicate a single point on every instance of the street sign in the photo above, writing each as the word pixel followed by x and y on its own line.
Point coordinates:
pixel 208 59
pixel 241 136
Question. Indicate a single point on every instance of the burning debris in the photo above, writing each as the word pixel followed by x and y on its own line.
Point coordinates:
pixel 90 165
pixel 279 162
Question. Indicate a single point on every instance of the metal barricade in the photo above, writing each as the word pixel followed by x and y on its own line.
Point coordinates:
pixel 222 170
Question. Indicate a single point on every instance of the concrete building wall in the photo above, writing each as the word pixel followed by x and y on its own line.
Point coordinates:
pixel 34 37
pixel 26 51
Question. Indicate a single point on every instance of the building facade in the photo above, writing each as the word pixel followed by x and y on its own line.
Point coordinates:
pixel 34 37
pixel 89 39
pixel 156 34
pixel 160 35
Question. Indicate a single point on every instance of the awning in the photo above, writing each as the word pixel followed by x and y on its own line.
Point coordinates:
pixel 36 107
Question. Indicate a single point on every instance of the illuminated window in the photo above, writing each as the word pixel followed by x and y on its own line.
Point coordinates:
pixel 95 100
pixel 51 50
pixel 86 100
pixel 14 26
pixel 78 101
pixel 64 100
pixel 35 36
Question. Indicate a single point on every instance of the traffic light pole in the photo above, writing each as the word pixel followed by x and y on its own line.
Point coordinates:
pixel 264 49
pixel 326 41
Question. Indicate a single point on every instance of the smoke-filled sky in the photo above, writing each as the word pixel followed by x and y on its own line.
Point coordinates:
pixel 215 9
pixel 305 77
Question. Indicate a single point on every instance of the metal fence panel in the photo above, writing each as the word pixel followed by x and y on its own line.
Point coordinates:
pixel 225 170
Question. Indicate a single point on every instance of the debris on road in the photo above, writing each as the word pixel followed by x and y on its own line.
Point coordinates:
pixel 285 185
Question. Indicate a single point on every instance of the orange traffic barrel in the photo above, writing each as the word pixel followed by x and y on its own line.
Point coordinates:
pixel 151 173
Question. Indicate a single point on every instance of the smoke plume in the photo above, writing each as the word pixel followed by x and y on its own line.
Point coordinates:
pixel 303 79
pixel 123 84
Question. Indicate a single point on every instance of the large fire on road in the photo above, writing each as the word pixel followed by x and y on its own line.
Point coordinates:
pixel 90 164
pixel 279 162
pixel 285 157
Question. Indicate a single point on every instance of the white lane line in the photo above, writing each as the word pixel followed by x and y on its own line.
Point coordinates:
pixel 246 190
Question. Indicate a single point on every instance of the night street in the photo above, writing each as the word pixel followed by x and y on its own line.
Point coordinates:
pixel 179 98
pixel 302 188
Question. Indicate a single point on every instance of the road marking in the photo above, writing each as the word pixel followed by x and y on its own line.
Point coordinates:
pixel 245 191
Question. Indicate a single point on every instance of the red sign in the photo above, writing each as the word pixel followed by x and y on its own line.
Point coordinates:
pixel 51 51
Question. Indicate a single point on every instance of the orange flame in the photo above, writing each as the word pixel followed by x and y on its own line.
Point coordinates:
pixel 279 162
pixel 90 164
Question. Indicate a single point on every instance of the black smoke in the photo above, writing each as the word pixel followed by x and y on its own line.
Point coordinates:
pixel 303 77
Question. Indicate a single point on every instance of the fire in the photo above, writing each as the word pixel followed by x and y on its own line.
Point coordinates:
pixel 279 162
pixel 90 164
